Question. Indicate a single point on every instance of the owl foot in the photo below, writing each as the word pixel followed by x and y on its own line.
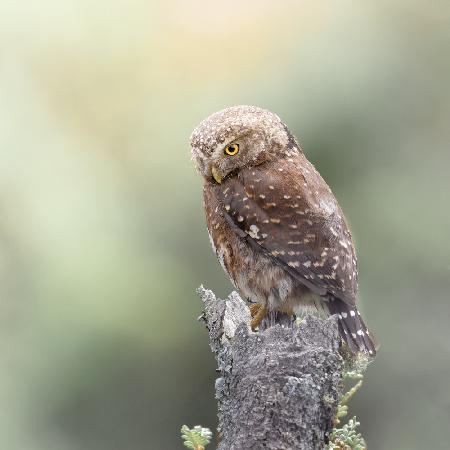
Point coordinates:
pixel 254 308
pixel 258 312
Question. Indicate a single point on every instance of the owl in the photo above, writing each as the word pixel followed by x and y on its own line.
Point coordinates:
pixel 273 222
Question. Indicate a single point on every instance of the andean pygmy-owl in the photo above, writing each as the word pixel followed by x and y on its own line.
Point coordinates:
pixel 274 224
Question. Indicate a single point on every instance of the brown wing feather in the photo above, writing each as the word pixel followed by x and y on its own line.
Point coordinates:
pixel 287 210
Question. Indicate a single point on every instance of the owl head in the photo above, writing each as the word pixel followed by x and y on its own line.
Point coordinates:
pixel 237 137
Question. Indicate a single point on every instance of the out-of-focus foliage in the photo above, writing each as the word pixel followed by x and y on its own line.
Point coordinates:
pixel 102 236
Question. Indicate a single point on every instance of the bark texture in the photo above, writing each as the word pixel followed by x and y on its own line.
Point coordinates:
pixel 278 388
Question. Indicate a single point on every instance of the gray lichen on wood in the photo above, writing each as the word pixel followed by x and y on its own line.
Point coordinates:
pixel 278 388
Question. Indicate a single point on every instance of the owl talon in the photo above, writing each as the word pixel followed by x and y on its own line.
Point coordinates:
pixel 254 308
pixel 258 313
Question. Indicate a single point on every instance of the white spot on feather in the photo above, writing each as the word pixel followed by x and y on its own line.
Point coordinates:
pixel 254 230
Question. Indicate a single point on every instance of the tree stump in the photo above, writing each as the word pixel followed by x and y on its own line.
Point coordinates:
pixel 278 388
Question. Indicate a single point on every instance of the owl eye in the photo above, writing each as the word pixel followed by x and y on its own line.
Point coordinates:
pixel 232 149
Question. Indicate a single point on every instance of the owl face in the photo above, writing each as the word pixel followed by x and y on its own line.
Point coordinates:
pixel 237 137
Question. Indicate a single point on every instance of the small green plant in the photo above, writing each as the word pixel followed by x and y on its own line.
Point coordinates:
pixel 346 437
pixel 196 438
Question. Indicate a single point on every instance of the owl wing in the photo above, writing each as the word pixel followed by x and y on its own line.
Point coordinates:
pixel 286 210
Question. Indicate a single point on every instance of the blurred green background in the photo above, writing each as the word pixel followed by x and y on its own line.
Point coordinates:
pixel 102 235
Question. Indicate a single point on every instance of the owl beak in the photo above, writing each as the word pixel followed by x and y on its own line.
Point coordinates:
pixel 216 174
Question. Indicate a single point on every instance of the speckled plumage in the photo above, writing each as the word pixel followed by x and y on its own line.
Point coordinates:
pixel 274 223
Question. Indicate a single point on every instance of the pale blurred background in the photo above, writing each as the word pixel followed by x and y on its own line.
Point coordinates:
pixel 102 236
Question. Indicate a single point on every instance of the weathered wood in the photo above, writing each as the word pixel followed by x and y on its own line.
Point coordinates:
pixel 278 388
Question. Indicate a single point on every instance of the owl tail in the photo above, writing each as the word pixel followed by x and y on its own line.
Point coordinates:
pixel 352 328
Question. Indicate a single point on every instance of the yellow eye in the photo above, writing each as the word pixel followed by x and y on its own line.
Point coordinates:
pixel 232 149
